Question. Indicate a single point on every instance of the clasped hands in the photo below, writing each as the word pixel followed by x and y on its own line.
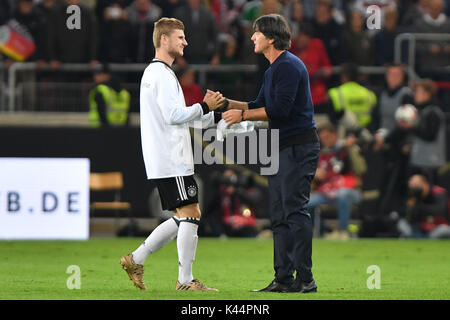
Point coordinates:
pixel 214 100
pixel 217 101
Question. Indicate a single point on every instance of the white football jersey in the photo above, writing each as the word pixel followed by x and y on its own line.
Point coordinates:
pixel 165 122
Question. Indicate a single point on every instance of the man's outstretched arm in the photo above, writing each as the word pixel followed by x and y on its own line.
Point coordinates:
pixel 236 116
pixel 238 105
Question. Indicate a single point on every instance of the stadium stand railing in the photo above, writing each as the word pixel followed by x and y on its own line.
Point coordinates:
pixel 31 88
pixel 21 91
pixel 441 75
pixel 412 39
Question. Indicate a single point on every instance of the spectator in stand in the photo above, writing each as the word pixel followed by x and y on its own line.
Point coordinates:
pixel 89 4
pixel 414 13
pixel 338 177
pixel 394 167
pixel 229 50
pixel 222 12
pixel 27 21
pixel 229 82
pixel 67 46
pixel 385 38
pixel 433 55
pixel 169 6
pixel 328 30
pixel 339 8
pixel 142 15
pixel 103 4
pixel 254 9
pixel 46 10
pixel 236 29
pixel 402 7
pixel 357 46
pixel 106 36
pixel 312 52
pixel 363 5
pixel 193 93
pixel 201 34
pixel 250 12
pixel 28 17
pixel 427 213
pixel 5 11
pixel 297 17
pixel 115 30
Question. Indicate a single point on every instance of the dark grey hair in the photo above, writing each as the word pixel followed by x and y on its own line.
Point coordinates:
pixel 276 27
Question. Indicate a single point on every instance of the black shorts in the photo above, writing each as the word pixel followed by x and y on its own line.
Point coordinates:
pixel 177 192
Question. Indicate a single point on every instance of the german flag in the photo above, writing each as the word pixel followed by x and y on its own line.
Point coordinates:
pixel 15 41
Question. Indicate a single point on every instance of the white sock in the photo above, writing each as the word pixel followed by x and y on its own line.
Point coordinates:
pixel 162 235
pixel 186 244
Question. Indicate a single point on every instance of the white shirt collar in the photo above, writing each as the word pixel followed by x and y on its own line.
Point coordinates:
pixel 435 22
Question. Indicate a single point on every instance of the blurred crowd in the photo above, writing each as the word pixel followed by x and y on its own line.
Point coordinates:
pixel 218 30
pixel 326 33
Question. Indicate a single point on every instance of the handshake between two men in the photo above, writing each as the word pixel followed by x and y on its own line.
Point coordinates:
pixel 214 100
pixel 234 110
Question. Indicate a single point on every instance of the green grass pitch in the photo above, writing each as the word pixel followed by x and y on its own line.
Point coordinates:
pixel 410 269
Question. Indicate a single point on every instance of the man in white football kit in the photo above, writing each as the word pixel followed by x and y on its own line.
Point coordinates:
pixel 167 151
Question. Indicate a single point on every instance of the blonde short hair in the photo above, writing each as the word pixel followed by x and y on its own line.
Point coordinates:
pixel 165 26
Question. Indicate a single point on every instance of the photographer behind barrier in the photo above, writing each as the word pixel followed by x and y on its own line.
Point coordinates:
pixel 427 212
pixel 238 198
pixel 338 177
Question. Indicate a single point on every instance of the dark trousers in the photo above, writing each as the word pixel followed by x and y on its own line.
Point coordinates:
pixel 289 191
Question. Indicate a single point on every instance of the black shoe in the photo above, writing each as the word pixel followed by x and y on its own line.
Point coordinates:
pixel 275 286
pixel 303 287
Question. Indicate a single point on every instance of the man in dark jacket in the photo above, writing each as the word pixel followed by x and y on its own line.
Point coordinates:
pixel 142 15
pixel 433 55
pixel 28 16
pixel 428 147
pixel 356 45
pixel 285 101
pixel 115 31
pixel 73 45
pixel 328 30
pixel 5 11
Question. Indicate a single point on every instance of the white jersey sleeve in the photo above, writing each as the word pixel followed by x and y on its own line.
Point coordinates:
pixel 167 91
pixel 204 122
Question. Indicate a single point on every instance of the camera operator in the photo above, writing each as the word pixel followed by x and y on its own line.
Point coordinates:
pixel 427 214
pixel 237 197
